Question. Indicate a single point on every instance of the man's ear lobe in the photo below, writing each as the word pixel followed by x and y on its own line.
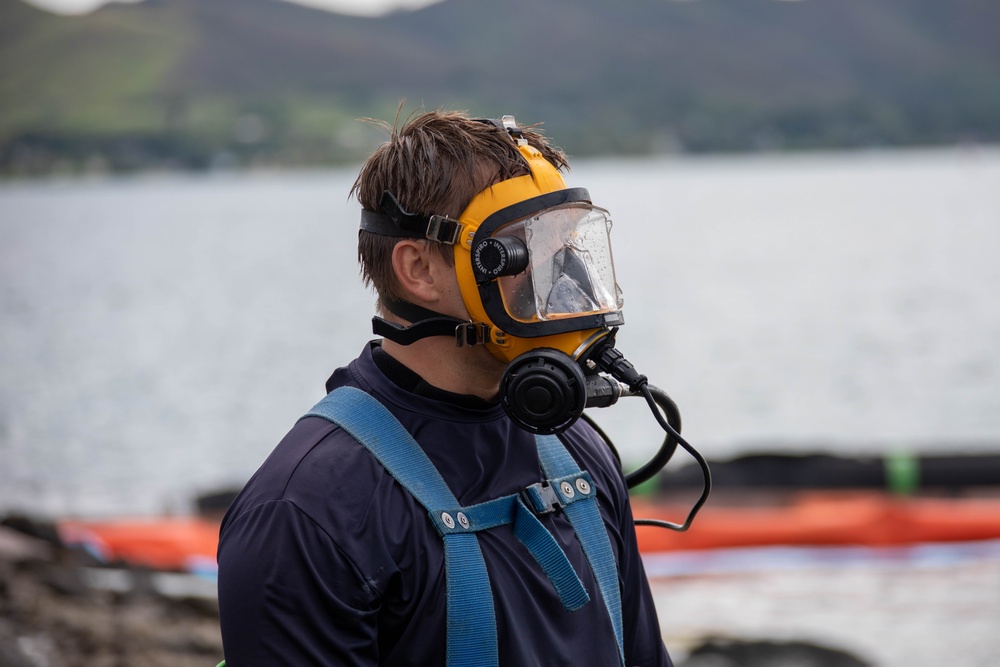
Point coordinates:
pixel 412 264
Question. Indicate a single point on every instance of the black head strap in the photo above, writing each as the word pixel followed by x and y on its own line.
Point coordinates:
pixel 464 333
pixel 396 221
pixel 427 323
pixel 410 312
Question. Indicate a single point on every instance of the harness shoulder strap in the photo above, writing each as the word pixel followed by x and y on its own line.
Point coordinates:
pixel 471 624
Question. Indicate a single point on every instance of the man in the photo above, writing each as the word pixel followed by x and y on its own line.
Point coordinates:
pixel 332 555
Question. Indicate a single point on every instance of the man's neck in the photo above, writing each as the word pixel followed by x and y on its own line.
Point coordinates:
pixel 460 370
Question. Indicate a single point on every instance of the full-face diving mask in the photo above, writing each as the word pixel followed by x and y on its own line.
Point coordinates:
pixel 534 264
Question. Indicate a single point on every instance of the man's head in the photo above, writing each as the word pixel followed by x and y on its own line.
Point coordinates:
pixel 434 164
pixel 469 233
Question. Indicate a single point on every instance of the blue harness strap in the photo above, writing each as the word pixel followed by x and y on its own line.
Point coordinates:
pixel 471 619
pixel 589 527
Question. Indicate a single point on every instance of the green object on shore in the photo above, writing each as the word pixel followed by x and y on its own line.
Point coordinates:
pixel 902 473
pixel 647 488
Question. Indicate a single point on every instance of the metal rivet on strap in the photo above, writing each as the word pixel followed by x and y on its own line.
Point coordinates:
pixel 567 489
pixel 448 521
pixel 582 486
pixel 462 519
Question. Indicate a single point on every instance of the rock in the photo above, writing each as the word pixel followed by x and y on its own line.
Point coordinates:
pixel 59 612
pixel 17 547
pixel 719 652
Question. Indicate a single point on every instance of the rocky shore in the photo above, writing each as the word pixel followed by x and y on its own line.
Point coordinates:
pixel 61 608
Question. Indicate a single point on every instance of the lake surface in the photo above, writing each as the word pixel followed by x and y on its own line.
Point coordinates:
pixel 159 334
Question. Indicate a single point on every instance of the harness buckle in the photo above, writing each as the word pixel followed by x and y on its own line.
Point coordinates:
pixel 541 498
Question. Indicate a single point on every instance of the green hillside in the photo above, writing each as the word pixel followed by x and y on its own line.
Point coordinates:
pixel 190 83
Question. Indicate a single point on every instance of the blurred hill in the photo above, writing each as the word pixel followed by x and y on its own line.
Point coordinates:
pixel 196 83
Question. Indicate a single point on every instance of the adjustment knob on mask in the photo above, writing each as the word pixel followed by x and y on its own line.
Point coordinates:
pixel 500 256
pixel 543 391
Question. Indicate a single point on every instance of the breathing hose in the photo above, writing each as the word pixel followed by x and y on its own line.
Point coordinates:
pixel 654 398
pixel 668 416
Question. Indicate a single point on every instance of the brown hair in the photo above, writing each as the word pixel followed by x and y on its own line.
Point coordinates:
pixel 435 163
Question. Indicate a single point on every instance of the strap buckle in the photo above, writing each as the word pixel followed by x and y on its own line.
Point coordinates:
pixel 541 498
pixel 443 229
pixel 472 333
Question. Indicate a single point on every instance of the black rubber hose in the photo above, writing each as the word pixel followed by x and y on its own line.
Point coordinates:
pixel 647 392
pixel 652 468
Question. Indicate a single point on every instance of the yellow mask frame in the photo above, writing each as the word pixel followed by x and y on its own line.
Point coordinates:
pixel 572 336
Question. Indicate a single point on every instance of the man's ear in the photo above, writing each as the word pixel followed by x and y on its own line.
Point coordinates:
pixel 413 265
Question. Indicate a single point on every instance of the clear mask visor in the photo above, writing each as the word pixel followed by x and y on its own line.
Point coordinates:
pixel 570 269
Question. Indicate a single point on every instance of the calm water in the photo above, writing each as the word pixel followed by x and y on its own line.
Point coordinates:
pixel 927 606
pixel 159 334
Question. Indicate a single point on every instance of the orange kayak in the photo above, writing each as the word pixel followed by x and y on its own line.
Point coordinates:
pixel 164 543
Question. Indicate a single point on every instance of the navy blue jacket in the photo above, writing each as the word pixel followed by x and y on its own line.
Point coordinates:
pixel 325 560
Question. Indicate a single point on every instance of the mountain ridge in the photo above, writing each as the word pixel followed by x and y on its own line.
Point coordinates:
pixel 172 81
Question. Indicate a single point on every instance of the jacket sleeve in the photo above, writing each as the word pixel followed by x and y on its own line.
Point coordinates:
pixel 642 636
pixel 289 596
